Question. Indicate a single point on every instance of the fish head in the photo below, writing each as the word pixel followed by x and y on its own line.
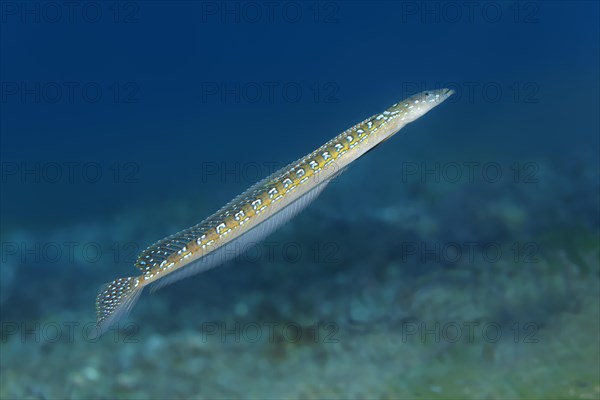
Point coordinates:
pixel 419 104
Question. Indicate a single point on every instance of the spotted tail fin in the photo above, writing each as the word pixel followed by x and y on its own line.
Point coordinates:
pixel 115 300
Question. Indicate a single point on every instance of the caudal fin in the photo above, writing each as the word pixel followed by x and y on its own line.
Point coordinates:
pixel 115 300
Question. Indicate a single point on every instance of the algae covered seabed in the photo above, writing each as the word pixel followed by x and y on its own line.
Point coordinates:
pixel 438 288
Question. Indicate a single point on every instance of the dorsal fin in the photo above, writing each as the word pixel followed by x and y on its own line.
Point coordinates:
pixel 154 255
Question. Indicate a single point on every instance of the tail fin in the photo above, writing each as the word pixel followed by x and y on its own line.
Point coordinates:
pixel 115 300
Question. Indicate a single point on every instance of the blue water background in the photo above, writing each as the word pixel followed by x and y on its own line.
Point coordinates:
pixel 356 59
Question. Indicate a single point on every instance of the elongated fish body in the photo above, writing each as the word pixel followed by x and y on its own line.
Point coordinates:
pixel 258 211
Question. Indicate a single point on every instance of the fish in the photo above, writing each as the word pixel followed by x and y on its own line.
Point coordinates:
pixel 258 211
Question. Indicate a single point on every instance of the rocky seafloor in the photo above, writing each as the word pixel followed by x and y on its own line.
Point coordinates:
pixel 431 290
